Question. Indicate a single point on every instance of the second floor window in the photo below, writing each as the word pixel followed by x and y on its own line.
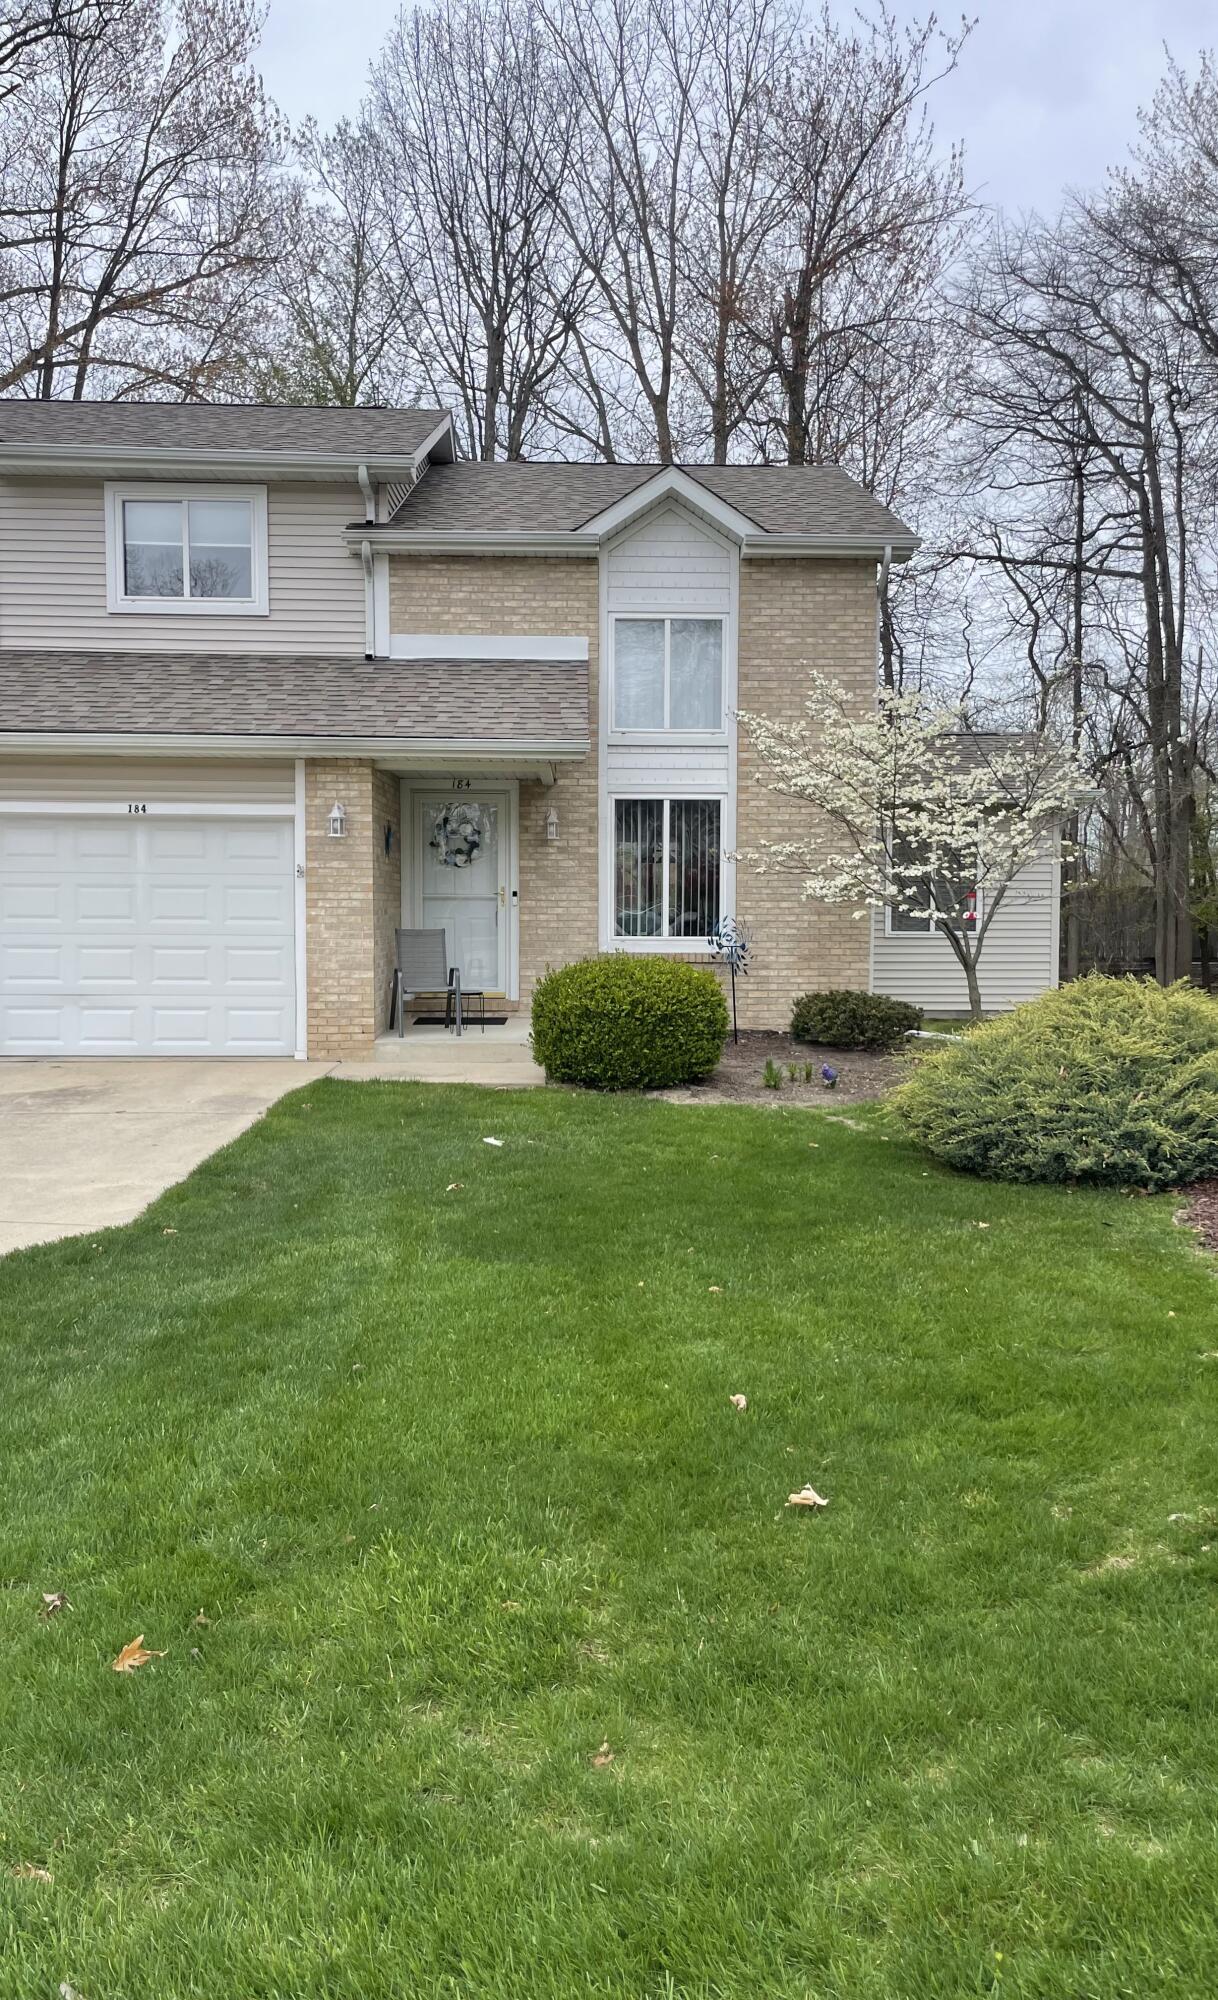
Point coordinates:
pixel 195 550
pixel 668 674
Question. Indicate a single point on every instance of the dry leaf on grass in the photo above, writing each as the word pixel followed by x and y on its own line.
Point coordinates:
pixel 67 1992
pixel 53 1601
pixel 492 1142
pixel 453 1187
pixel 29 1871
pixel 715 1288
pixel 603 1756
pixel 200 1617
pixel 169 1232
pixel 806 1497
pixel 134 1654
pixel 739 1402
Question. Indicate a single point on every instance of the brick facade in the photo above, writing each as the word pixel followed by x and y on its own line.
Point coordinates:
pixel 531 595
pixel 794 614
pixel 340 903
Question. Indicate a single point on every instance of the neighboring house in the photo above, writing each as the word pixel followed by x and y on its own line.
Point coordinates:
pixel 274 681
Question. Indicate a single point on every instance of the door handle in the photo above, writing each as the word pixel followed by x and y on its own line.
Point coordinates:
pixel 502 895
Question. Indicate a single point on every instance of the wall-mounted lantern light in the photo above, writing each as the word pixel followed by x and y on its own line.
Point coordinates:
pixel 552 824
pixel 337 821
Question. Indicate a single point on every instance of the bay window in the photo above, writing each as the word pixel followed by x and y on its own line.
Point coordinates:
pixel 666 867
pixel 187 549
pixel 667 674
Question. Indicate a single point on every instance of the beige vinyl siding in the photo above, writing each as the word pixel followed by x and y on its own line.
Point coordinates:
pixel 669 563
pixel 147 780
pixel 1018 958
pixel 53 576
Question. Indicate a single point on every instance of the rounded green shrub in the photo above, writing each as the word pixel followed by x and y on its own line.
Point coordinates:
pixel 844 1019
pixel 623 1023
pixel 1105 1081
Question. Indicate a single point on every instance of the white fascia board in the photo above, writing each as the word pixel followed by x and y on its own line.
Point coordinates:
pixel 474 542
pixel 117 461
pixel 98 743
pixel 485 646
pixel 671 484
pixel 757 544
pixel 431 446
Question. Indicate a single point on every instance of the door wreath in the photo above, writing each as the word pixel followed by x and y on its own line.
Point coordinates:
pixel 456 834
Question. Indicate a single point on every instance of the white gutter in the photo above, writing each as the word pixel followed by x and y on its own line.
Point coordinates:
pixel 580 542
pixel 95 459
pixel 153 744
pixel 369 492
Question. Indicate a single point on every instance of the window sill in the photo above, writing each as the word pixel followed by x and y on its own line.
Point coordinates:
pixel 188 607
pixel 669 739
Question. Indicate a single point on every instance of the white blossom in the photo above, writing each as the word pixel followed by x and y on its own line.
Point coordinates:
pixel 912 810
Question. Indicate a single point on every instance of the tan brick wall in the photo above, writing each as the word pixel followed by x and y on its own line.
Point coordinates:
pixel 339 903
pixel 386 886
pixel 533 595
pixel 795 614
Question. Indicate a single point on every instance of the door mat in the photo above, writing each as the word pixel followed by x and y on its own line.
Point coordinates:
pixel 468 1020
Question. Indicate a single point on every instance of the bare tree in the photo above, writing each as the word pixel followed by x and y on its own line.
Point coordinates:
pixel 26 25
pixel 468 159
pixel 135 190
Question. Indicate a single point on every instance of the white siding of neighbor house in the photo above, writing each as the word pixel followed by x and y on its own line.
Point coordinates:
pixel 1018 959
pixel 53 577
pixel 117 780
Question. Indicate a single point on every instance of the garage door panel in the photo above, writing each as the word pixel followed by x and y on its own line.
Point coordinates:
pixel 154 938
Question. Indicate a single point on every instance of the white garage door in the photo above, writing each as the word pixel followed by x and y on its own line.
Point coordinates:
pixel 123 936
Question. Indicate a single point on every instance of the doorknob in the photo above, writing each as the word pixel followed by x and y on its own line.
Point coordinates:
pixel 502 895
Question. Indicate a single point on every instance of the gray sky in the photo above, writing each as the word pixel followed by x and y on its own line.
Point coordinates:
pixel 1045 98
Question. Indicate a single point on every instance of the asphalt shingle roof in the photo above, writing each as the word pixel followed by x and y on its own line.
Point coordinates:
pixel 494 702
pixel 525 497
pixel 220 427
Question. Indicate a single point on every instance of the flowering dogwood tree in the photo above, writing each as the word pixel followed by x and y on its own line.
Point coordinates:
pixel 914 811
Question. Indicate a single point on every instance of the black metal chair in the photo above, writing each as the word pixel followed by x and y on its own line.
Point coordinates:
pixel 422 967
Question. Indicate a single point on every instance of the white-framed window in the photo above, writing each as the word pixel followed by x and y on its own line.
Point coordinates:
pixel 194 549
pixel 667 868
pixel 947 885
pixel 666 675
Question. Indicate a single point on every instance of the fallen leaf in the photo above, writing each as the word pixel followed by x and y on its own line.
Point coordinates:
pixel 739 1402
pixel 200 1617
pixel 133 1655
pixel 29 1871
pixel 67 1992
pixel 53 1601
pixel 603 1756
pixel 453 1187
pixel 983 1225
pixel 715 1288
pixel 169 1232
pixel 806 1497
pixel 492 1142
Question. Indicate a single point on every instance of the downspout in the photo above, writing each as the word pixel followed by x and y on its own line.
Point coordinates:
pixel 365 548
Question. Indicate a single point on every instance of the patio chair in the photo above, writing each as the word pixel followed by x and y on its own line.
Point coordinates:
pixel 422 967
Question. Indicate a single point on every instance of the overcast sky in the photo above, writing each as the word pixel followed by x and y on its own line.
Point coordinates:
pixel 1045 98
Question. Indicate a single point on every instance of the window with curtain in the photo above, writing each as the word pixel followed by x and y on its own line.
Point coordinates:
pixel 668 673
pixel 666 867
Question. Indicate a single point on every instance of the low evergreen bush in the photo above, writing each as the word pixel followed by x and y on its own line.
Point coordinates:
pixel 623 1023
pixel 1105 1081
pixel 844 1019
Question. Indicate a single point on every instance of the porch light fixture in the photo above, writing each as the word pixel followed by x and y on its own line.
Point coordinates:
pixel 337 821
pixel 552 824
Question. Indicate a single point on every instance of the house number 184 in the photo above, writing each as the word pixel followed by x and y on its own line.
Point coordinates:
pixel 137 809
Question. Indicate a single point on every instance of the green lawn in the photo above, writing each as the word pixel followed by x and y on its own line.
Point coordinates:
pixel 456 1483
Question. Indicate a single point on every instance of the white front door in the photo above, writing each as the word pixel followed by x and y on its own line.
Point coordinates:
pixel 461 879
pixel 130 936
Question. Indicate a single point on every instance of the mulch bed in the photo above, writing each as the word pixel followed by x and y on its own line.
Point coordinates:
pixel 738 1079
pixel 1202 1211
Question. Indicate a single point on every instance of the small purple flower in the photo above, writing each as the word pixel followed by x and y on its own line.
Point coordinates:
pixel 828 1077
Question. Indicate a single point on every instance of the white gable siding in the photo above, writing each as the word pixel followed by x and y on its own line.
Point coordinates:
pixel 669 562
pixel 1018 958
pixel 53 577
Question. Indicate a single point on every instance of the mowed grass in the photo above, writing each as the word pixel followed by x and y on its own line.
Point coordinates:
pixel 453 1477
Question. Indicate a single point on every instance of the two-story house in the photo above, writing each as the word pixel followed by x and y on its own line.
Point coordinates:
pixel 274 681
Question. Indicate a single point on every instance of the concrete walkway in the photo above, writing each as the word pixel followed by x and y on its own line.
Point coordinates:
pixel 501 1057
pixel 85 1145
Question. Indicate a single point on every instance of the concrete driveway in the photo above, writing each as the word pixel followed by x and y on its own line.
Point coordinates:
pixel 85 1145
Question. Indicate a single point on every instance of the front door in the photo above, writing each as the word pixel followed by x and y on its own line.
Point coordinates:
pixel 461 879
